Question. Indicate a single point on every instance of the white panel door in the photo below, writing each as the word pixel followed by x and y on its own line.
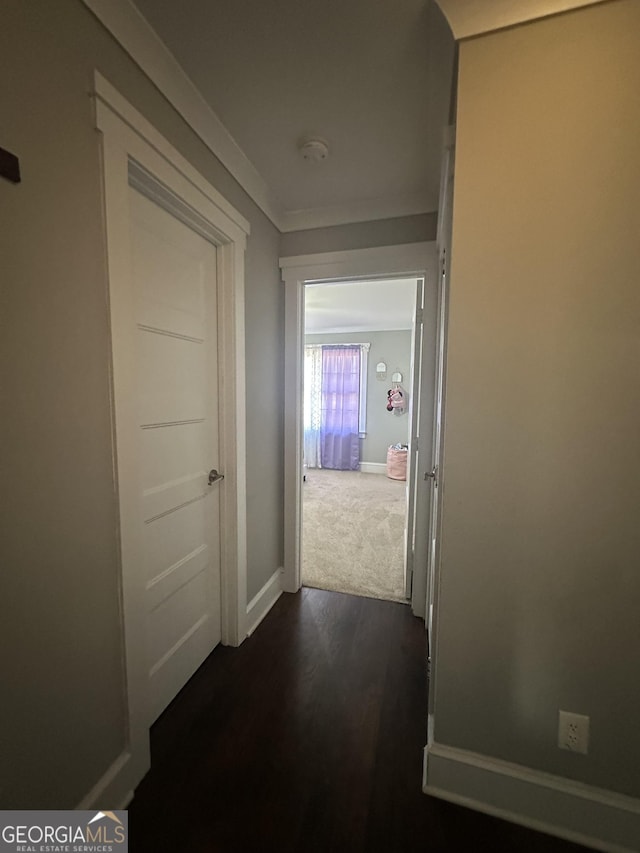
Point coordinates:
pixel 414 402
pixel 174 285
pixel 445 224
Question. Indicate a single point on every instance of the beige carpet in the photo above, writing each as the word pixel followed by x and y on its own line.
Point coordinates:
pixel 353 533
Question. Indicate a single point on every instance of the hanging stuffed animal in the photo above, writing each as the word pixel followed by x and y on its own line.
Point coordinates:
pixel 396 401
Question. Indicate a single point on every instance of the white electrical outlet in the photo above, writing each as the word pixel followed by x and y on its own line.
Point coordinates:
pixel 573 732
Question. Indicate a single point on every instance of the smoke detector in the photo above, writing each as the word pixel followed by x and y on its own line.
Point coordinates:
pixel 314 150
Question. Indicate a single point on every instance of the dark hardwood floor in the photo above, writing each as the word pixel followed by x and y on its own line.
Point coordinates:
pixel 309 737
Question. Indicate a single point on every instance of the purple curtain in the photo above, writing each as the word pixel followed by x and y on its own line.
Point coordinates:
pixel 339 438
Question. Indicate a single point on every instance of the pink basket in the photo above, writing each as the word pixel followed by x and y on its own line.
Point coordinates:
pixel 396 464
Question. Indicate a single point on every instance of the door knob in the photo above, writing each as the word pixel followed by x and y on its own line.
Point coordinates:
pixel 432 475
pixel 214 476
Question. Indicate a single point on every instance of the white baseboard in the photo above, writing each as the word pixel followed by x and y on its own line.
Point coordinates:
pixel 594 817
pixel 373 467
pixel 112 790
pixel 262 603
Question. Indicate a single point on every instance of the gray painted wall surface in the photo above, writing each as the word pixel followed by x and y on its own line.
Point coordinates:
pixel 383 427
pixel 360 235
pixel 63 715
pixel 540 543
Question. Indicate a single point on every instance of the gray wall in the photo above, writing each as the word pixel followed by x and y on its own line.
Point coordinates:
pixel 62 714
pixel 360 235
pixel 383 427
pixel 540 541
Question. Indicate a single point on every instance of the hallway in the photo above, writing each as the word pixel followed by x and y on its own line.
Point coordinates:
pixel 308 738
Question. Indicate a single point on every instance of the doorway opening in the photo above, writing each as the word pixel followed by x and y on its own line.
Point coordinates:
pixel 304 274
pixel 358 370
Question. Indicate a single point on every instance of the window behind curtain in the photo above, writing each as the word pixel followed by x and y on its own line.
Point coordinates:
pixel 334 405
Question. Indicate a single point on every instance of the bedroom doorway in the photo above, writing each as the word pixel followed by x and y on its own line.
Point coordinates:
pixel 417 261
pixel 358 377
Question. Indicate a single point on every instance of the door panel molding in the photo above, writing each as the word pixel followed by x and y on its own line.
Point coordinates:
pixel 135 154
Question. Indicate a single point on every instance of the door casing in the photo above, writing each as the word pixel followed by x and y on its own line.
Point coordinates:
pixel 443 240
pixel 417 260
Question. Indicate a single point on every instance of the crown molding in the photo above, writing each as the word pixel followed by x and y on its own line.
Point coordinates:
pixel 133 32
pixel 108 95
pixel 366 210
pixel 136 36
pixel 469 18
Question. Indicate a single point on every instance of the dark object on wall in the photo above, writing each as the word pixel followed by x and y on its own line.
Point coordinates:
pixel 9 166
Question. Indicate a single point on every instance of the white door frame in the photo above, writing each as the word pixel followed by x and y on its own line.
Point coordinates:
pixel 411 259
pixel 132 145
pixel 443 242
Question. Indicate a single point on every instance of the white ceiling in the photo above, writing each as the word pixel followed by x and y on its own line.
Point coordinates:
pixel 370 78
pixel 360 306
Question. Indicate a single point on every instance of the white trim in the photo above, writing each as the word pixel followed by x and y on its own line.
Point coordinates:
pixel 107 792
pixel 263 601
pixel 126 137
pixel 364 381
pixel 373 468
pixel 365 210
pixel 407 259
pixel 467 18
pixel 119 105
pixel 136 36
pixel 410 259
pixel 366 346
pixel 362 329
pixel 132 31
pixel 124 802
pixel 603 820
